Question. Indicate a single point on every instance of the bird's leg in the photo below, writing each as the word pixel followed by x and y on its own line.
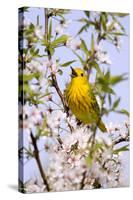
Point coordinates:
pixel 88 126
pixel 78 122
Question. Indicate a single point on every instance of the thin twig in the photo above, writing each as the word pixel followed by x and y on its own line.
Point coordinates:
pixel 56 104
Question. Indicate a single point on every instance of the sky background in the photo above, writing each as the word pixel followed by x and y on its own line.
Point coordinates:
pixel 120 64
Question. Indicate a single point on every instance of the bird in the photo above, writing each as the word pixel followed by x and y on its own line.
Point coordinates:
pixel 82 101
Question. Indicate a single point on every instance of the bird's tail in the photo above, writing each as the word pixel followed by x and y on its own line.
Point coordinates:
pixel 101 126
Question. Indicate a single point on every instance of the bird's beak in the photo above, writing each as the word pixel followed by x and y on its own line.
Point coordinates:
pixel 74 74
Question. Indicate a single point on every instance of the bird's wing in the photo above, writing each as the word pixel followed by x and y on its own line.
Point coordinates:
pixel 94 104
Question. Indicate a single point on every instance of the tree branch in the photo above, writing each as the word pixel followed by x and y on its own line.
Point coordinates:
pixel 83 181
pixel 53 76
pixel 46 23
pixel 37 157
pixel 120 139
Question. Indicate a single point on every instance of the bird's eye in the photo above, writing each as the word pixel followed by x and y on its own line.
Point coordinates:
pixel 82 74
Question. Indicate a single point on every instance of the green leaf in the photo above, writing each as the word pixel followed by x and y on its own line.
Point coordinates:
pixel 51 50
pixel 123 111
pixel 96 66
pixel 60 71
pixel 34 51
pixel 110 38
pixel 38 102
pixel 79 57
pixel 89 160
pixel 103 21
pixel 26 88
pixel 124 148
pixel 87 13
pixel 116 79
pixel 28 77
pixel 83 20
pixel 102 80
pixel 110 26
pixel 121 14
pixel 31 27
pixel 44 43
pixel 107 89
pixel 60 40
pixel 82 29
pixel 50 29
pixel 23 9
pixel 84 46
pixel 92 43
pixel 116 103
pixel 67 63
pixel 38 20
pixel 25 51
pixel 109 99
pixel 117 21
pixel 117 33
pixel 97 146
pixel 107 75
pixel 44 95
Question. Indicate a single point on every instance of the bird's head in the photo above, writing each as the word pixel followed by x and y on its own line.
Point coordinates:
pixel 78 73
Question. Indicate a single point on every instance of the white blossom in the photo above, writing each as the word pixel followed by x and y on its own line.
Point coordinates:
pixel 73 43
pixel 55 120
pixel 49 144
pixel 35 66
pixel 34 87
pixel 31 117
pixel 71 120
pixel 106 139
pixel 38 32
pixel 79 137
pixel 51 64
pixel 113 26
pixel 95 15
pixel 59 28
pixel 35 115
pixel 68 141
pixel 101 55
pixel 33 186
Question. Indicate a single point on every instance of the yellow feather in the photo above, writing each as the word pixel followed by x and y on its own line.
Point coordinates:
pixel 81 100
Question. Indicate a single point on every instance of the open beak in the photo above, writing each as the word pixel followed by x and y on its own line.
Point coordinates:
pixel 74 74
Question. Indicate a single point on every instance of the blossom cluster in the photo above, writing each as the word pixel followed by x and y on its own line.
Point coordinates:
pixel 71 168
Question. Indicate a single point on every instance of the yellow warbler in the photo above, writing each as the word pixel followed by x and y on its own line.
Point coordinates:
pixel 81 99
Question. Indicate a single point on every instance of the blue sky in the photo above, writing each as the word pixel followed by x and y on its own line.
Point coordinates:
pixel 120 64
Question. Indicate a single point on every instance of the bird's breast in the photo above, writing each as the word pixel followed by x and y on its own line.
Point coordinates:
pixel 78 99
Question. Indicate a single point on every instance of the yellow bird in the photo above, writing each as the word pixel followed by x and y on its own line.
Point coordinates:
pixel 82 101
